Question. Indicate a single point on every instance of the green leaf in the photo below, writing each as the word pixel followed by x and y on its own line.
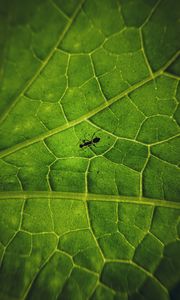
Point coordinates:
pixel 98 222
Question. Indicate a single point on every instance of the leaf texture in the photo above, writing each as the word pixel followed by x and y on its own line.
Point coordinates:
pixel 98 222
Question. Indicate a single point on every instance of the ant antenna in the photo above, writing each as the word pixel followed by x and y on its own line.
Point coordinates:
pixel 95 133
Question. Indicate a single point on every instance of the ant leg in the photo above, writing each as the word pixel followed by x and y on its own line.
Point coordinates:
pixel 90 147
pixel 84 140
pixel 81 141
pixel 95 133
pixel 87 138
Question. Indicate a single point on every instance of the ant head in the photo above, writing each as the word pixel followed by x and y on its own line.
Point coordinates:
pixel 96 140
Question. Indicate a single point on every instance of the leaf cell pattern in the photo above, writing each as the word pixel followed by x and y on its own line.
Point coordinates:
pixel 100 222
pixel 109 248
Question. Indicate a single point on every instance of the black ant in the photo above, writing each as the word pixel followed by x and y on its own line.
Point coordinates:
pixel 90 143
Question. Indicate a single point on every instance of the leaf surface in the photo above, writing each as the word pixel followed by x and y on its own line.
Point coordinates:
pixel 98 222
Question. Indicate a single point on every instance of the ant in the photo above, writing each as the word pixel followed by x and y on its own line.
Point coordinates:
pixel 92 142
